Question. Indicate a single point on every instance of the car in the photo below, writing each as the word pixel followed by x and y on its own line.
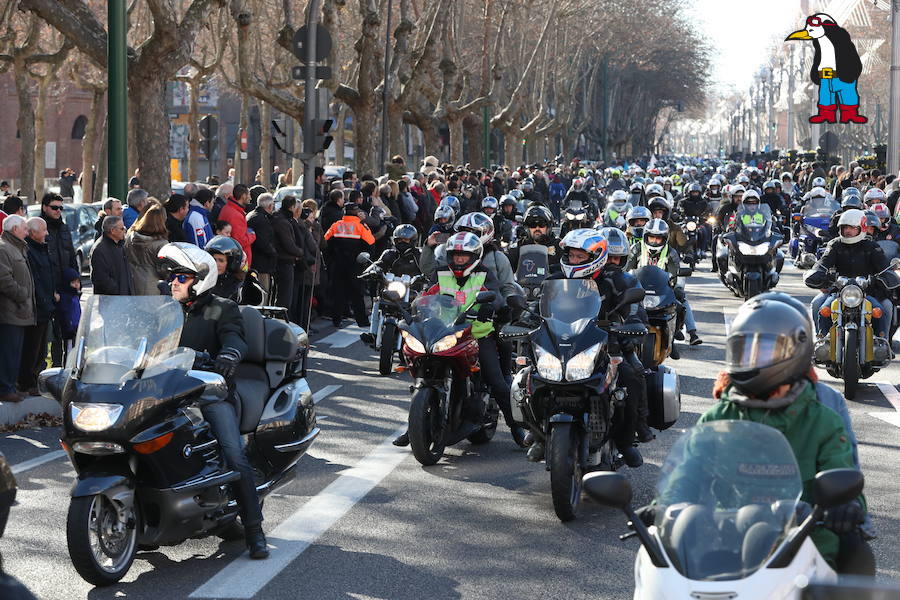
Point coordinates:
pixel 80 219
pixel 335 171
pixel 291 190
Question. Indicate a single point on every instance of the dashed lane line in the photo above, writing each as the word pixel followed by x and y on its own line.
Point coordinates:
pixel 893 396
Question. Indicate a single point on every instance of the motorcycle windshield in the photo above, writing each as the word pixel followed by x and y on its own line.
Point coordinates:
pixel 127 337
pixel 657 291
pixel 569 305
pixel 820 207
pixel 436 313
pixel 534 264
pixel 754 225
pixel 726 498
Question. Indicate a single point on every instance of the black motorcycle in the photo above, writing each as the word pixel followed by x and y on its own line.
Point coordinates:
pixel 693 253
pixel 568 396
pixel 749 257
pixel 149 469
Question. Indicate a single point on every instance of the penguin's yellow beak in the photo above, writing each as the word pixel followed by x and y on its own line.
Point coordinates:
pixel 801 34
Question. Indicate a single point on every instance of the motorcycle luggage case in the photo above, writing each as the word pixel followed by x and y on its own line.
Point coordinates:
pixel 663 398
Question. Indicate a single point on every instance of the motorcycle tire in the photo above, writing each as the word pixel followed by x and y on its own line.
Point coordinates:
pixel 424 427
pixel 84 521
pixel 850 366
pixel 486 433
pixel 752 288
pixel 565 470
pixel 388 347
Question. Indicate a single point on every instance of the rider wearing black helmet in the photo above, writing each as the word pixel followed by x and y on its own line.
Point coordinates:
pixel 229 259
pixel 536 229
pixel 403 258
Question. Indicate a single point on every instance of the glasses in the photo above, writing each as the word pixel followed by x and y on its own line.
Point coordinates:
pixel 55 206
pixel 180 278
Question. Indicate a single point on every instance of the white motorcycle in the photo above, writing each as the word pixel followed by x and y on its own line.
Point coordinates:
pixel 728 520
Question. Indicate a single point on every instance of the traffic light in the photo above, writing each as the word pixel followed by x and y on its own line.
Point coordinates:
pixel 322 141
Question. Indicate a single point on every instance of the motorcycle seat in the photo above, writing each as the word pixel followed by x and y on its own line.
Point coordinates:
pixel 251 390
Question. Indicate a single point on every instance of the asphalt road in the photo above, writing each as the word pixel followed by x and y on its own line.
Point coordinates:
pixel 364 520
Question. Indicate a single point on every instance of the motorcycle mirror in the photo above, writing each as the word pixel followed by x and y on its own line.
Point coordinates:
pixel 895 263
pixel 50 382
pixel 363 258
pixel 837 486
pixel 609 489
pixel 685 272
pixel 485 297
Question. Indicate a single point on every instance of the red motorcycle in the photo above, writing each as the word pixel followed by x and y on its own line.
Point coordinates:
pixel 449 401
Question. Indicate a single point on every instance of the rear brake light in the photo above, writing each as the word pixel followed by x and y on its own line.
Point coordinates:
pixel 154 445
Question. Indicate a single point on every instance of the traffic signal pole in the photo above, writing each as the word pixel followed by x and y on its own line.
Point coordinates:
pixel 117 101
pixel 310 110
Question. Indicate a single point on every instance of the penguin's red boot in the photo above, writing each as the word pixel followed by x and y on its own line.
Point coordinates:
pixel 827 114
pixel 849 114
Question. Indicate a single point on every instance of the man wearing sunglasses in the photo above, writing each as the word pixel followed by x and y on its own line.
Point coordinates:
pixel 62 255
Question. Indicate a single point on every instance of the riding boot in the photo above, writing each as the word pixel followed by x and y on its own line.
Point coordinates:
pixel 256 541
pixel 827 114
pixel 402 440
pixel 849 114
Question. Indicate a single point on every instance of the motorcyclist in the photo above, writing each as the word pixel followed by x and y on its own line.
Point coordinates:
pixel 230 266
pixel 584 256
pixel 636 194
pixel 655 250
pixel 403 257
pixel 578 193
pixel 773 199
pixel 637 218
pixel 464 276
pixel 875 196
pixel 769 378
pixel 660 209
pixel 615 181
pixel 848 202
pixel 888 229
pixel 505 224
pixel 532 195
pixel 214 325
pixel 444 217
pixel 617 210
pixel 536 229
pixel 850 255
pixel 694 204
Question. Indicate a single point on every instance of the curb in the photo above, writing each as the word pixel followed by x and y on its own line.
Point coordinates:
pixel 13 412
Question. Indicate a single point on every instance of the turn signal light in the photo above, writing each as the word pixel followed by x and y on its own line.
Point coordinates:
pixel 877 312
pixel 825 311
pixel 154 445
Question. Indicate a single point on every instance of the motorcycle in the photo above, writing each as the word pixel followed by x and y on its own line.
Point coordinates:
pixel 851 351
pixel 149 470
pixel 733 527
pixel 576 216
pixel 663 389
pixel 449 401
pixel 386 314
pixel 810 231
pixel 568 395
pixel 691 225
pixel 749 257
pixel 533 269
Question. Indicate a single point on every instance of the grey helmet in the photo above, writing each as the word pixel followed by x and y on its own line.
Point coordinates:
pixel 635 213
pixel 656 228
pixel 616 242
pixel 770 344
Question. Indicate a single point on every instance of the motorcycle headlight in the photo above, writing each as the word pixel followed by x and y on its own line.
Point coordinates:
pixel 852 296
pixel 413 342
pixel 691 226
pixel 570 216
pixel 446 342
pixel 94 417
pixel 751 250
pixel 711 220
pixel 399 287
pixel 581 366
pixel 651 301
pixel 549 367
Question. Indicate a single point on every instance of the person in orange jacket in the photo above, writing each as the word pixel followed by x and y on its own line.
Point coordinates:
pixel 345 239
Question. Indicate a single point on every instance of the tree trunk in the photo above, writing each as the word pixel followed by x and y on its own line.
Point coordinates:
pixel 40 140
pixel 432 140
pixel 364 138
pixel 89 142
pixel 132 143
pixel 193 170
pixel 147 94
pixel 396 139
pixel 102 162
pixel 25 123
pixel 455 125
pixel 265 157
pixel 475 132
pixel 512 148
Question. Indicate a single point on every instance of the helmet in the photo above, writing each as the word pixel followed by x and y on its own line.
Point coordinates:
pixel 786 299
pixel 616 242
pixel 452 202
pixel 635 213
pixel 528 184
pixel 517 194
pixel 578 184
pixel 656 228
pixel 726 191
pixel 751 197
pixel 817 192
pixel 874 196
pixel 507 200
pixel 770 184
pixel 737 189
pixel 478 223
pixel 587 240
pixel 872 219
pixel 619 197
pixel 230 249
pixel 818 182
pixel 851 191
pixel 490 202
pixel 444 212
pixel 658 203
pixel 654 190
pixel 787 176
pixel 659 179
pixel 851 201
pixel 743 180
pixel 636 188
pixel 463 243
pixel 538 216
pixel 695 187
pixel 883 213
pixel 770 344
pixel 8 488
pixel 182 257
pixel 405 236
pixel 855 218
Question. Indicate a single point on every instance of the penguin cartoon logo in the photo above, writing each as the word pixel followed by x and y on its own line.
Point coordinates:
pixel 835 69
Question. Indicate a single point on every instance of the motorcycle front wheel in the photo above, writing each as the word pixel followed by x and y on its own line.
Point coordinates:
pixel 102 538
pixel 388 347
pixel 426 427
pixel 565 470
pixel 850 367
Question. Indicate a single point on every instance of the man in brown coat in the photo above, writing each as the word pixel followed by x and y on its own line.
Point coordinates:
pixel 16 303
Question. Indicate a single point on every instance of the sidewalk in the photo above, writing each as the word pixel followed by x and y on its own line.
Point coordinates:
pixel 13 412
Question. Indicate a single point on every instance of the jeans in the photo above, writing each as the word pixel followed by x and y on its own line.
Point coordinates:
pixel 224 425
pixel 631 377
pixel 492 375
pixel 11 356
pixel 834 91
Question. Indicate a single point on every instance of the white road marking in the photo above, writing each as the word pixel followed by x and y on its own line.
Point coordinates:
pixel 35 443
pixel 325 392
pixel 342 338
pixel 888 417
pixel 893 396
pixel 36 462
pixel 244 578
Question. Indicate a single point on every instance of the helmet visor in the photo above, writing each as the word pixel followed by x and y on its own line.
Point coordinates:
pixel 756 350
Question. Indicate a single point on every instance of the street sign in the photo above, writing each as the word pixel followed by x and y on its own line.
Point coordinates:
pixel 299 72
pixel 209 126
pixel 323 43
